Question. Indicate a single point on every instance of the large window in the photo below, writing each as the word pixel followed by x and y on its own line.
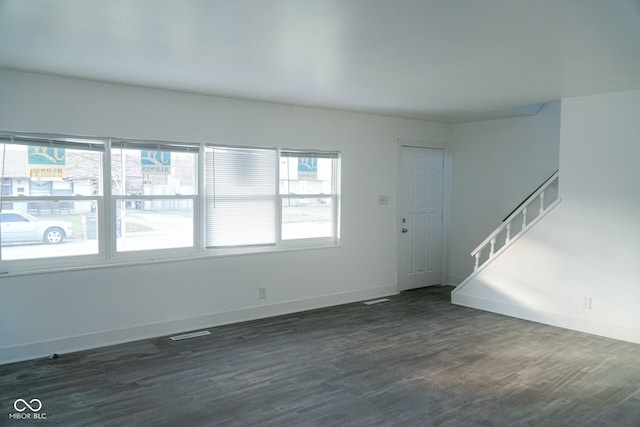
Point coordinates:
pixel 309 194
pixel 51 196
pixel 154 195
pixel 69 201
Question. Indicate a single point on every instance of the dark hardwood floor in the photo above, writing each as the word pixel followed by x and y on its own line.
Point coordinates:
pixel 414 361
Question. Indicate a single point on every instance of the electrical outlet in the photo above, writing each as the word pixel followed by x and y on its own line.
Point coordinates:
pixel 586 303
pixel 262 293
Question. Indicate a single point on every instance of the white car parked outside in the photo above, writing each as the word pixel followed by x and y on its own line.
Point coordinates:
pixel 22 227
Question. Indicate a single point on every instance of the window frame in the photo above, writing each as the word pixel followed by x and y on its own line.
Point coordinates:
pixel 334 239
pixel 106 206
pixel 90 144
pixel 112 218
pixel 241 248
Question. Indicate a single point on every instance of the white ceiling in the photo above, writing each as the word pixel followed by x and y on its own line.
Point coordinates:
pixel 448 60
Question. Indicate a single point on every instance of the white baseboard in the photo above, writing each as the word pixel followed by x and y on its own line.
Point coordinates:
pixel 100 339
pixel 561 320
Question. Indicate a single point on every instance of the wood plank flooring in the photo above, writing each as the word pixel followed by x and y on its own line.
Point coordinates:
pixel 416 360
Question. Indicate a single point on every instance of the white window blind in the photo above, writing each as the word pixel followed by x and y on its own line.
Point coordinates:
pixel 55 141
pixel 241 196
pixel 316 154
pixel 155 146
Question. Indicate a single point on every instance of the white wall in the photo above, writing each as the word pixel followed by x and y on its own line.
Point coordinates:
pixel 496 165
pixel 65 311
pixel 589 245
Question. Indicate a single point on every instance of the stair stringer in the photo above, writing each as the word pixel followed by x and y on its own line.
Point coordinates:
pixel 528 281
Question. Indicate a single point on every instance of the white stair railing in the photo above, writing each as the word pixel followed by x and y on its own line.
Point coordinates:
pixel 540 202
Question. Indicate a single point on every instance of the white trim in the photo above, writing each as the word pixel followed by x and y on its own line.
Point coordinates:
pixel 581 324
pixel 199 221
pixel 508 245
pixel 278 218
pixel 419 143
pixel 106 204
pixel 48 198
pixel 108 248
pixel 154 197
pixel 64 345
pixel 336 167
pixel 520 209
pixel 446 202
pixel 165 256
pixel 446 214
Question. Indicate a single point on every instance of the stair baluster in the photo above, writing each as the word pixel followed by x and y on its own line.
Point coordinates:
pixel 541 195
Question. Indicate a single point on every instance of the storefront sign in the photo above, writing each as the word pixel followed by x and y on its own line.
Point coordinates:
pixel 46 162
pixel 156 162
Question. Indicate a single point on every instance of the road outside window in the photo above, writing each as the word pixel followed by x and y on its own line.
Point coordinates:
pixel 308 195
pixel 154 193
pixel 49 202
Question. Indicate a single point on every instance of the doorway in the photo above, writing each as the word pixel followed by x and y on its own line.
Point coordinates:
pixel 420 214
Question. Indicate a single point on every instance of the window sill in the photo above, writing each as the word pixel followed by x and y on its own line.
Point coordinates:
pixel 163 257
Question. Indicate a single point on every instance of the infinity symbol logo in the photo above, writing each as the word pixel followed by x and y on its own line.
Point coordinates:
pixel 21 405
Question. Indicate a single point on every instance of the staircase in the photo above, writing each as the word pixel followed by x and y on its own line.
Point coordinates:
pixel 525 216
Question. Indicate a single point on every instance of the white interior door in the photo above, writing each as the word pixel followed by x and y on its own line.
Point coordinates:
pixel 420 204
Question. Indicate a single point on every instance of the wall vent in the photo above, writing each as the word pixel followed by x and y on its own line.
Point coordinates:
pixel 189 335
pixel 377 301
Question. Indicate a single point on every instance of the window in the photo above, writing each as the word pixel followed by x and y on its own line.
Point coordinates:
pixel 309 194
pixel 69 201
pixel 51 193
pixel 154 188
pixel 240 186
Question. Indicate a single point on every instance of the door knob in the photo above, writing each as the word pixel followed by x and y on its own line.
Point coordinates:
pixel 404 230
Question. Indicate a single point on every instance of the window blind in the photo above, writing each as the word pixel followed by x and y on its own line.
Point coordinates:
pixel 241 195
pixel 314 153
pixel 55 141
pixel 155 146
